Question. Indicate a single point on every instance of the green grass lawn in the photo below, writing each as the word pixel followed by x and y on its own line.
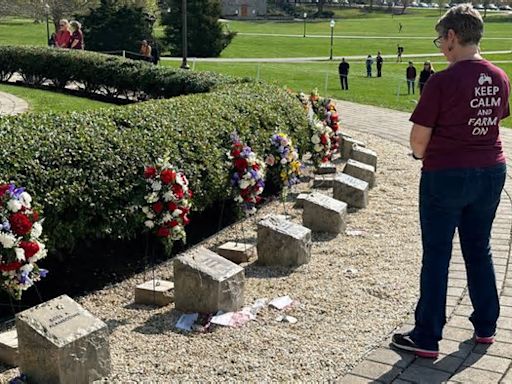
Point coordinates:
pixel 389 91
pixel 46 101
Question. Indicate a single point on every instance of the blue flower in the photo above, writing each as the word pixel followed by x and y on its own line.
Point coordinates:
pixel 43 272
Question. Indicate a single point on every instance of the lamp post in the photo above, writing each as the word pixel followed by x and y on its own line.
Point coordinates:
pixel 47 9
pixel 332 24
pixel 184 42
pixel 305 17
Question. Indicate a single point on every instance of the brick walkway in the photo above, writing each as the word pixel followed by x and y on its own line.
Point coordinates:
pixel 461 361
pixel 11 105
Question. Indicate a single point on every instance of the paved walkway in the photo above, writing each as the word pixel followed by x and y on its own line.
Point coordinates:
pixel 461 361
pixel 11 105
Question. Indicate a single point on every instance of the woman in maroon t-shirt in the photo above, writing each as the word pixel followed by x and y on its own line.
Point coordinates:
pixel 456 134
pixel 77 37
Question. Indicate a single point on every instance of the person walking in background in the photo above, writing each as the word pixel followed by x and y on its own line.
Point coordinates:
pixel 77 37
pixel 145 50
pixel 410 75
pixel 63 35
pixel 455 133
pixel 399 52
pixel 379 60
pixel 400 26
pixel 369 63
pixel 427 71
pixel 343 69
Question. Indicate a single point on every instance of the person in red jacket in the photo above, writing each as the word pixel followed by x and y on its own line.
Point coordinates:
pixel 63 35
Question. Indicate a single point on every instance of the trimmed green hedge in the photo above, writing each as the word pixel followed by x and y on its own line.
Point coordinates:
pixel 110 75
pixel 86 168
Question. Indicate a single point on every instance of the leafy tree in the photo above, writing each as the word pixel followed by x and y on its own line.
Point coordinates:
pixel 205 35
pixel 112 27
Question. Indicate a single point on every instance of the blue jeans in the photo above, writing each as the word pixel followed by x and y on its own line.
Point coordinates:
pixel 466 199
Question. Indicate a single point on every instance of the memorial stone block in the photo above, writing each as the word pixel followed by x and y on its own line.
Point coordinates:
pixel 154 292
pixel 281 242
pixel 351 190
pixel 324 214
pixel 9 348
pixel 364 155
pixel 323 181
pixel 237 252
pixel 360 171
pixel 206 282
pixel 61 342
pixel 347 145
pixel 299 202
pixel 326 168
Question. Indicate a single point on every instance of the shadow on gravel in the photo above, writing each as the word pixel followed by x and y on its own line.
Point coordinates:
pixel 267 272
pixel 161 322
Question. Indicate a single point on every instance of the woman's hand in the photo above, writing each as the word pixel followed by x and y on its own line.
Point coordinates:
pixel 419 139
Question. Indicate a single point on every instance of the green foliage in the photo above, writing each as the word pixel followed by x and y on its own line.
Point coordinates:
pixel 110 75
pixel 204 31
pixel 112 27
pixel 86 168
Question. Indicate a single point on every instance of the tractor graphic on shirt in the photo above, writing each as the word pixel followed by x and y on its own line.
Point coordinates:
pixel 484 78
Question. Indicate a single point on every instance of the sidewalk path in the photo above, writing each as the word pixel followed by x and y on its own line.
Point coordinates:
pixel 461 361
pixel 11 105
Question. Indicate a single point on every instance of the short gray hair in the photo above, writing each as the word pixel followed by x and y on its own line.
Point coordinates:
pixel 465 21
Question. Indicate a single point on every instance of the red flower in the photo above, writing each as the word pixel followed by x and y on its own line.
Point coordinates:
pixel 184 210
pixel 15 265
pixel 186 220
pixel 149 172
pixel 190 193
pixel 35 216
pixel 178 191
pixel 325 159
pixel 171 206
pixel 3 188
pixel 20 223
pixel 29 247
pixel 158 207
pixel 168 176
pixel 256 166
pixel 174 223
pixel 235 152
pixel 162 232
pixel 240 164
pixel 323 139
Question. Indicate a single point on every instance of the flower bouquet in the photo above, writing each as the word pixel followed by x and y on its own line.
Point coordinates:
pixel 332 120
pixel 303 100
pixel 320 142
pixel 284 159
pixel 246 175
pixel 20 243
pixel 168 202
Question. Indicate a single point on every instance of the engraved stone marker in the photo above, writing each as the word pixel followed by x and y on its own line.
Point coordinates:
pixel 9 348
pixel 281 242
pixel 237 252
pixel 323 181
pixel 299 202
pixel 324 214
pixel 154 292
pixel 206 282
pixel 347 145
pixel 326 168
pixel 351 190
pixel 61 342
pixel 360 171
pixel 364 155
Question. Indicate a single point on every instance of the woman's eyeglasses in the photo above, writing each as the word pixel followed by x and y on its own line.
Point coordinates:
pixel 437 42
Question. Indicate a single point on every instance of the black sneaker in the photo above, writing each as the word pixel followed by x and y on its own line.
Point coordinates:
pixel 404 341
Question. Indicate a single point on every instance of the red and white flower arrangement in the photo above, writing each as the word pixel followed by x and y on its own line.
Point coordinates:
pixel 285 159
pixel 320 142
pixel 332 120
pixel 168 202
pixel 20 241
pixel 247 175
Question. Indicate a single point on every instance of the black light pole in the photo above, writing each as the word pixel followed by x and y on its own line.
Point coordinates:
pixel 184 42
pixel 47 8
pixel 305 17
pixel 332 24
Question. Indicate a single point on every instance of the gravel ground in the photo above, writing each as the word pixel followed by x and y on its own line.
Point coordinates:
pixel 341 314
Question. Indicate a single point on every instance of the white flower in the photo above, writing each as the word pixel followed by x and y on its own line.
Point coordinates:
pixel 156 186
pixel 25 199
pixel 27 268
pixel 284 161
pixel 7 240
pixel 150 215
pixel 41 254
pixel 318 148
pixel 149 224
pixel 239 199
pixel 177 212
pixel 244 183
pixel 37 230
pixel 152 198
pixel 14 205
pixel 167 217
pixel 315 139
pixel 145 210
pixel 168 196
pixel 20 254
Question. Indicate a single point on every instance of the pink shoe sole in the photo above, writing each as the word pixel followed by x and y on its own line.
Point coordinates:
pixel 427 355
pixel 485 340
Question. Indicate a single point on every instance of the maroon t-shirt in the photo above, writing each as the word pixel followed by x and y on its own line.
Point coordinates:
pixel 464 105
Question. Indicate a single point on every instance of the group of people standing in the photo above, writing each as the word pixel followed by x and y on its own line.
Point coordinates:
pixel 410 72
pixel 69 35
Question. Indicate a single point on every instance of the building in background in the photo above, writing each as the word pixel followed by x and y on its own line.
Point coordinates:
pixel 244 9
